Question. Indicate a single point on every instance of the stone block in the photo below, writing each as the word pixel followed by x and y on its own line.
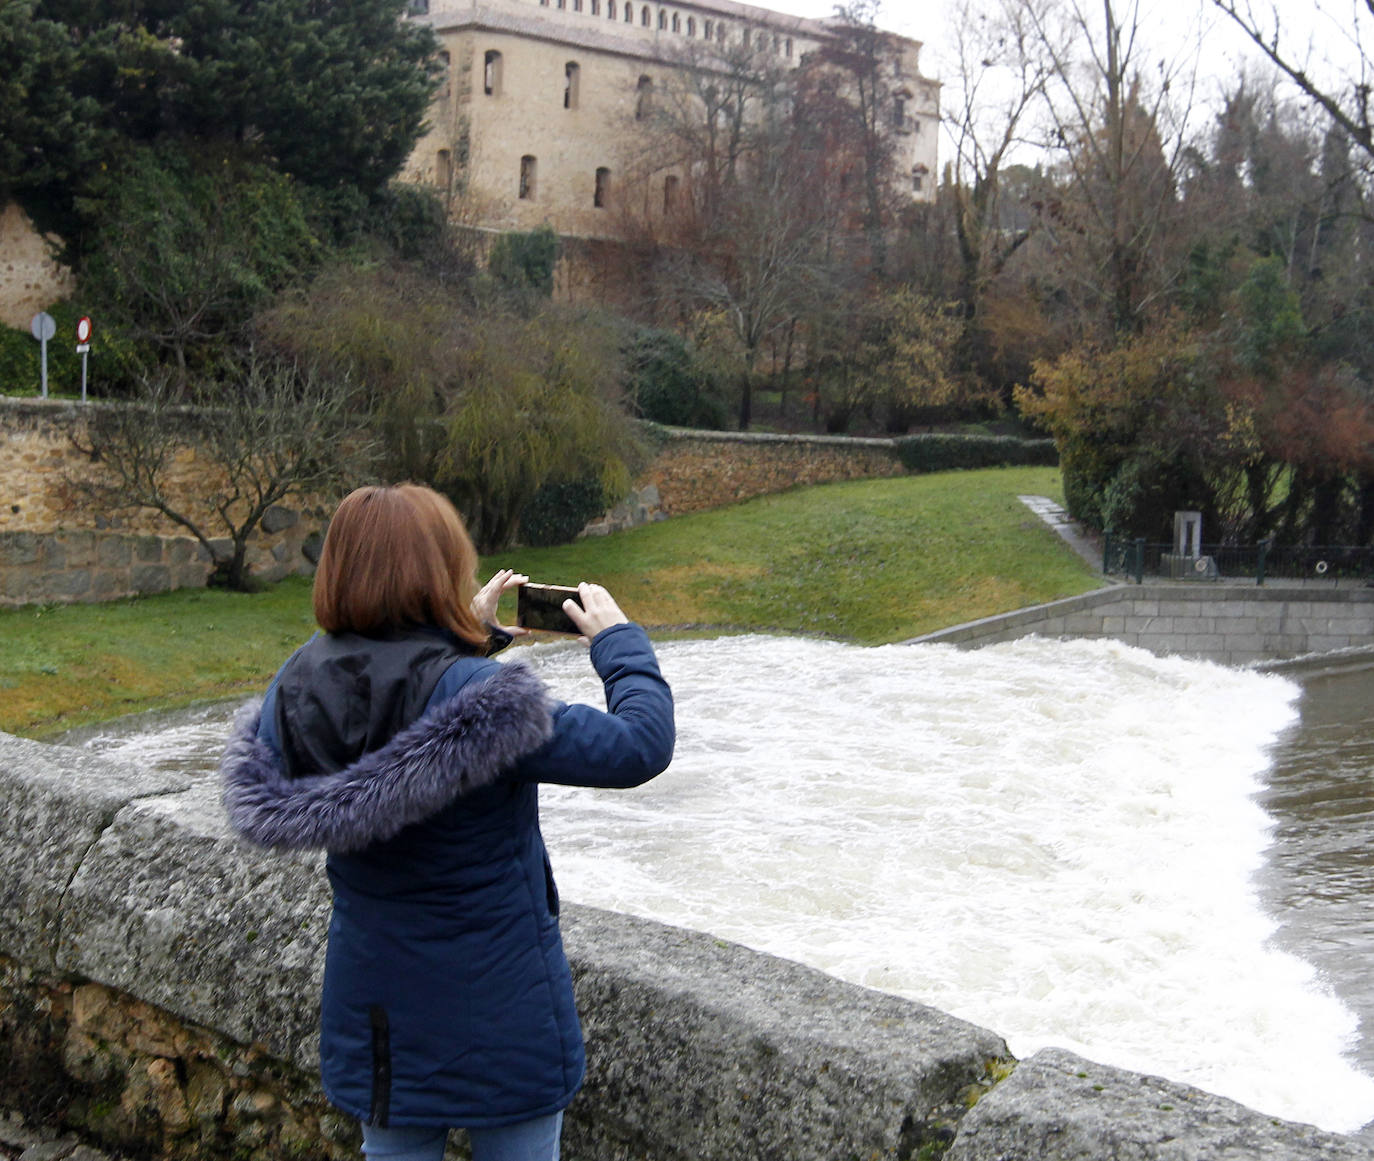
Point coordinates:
pixel 170 908
pixel 105 584
pixel 311 546
pixel 1059 1107
pixel 18 548
pixel 68 585
pixel 114 551
pixel 182 550
pixel 52 553
pixel 191 575
pixel 1205 644
pixel 1113 625
pixel 80 548
pixel 278 519
pixel 150 578
pixel 762 1056
pixel 54 803
pixel 148 549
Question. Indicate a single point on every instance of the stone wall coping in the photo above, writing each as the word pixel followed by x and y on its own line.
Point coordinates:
pixel 697 1047
pixel 767 437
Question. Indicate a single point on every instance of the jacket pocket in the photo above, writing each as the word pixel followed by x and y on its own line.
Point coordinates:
pixel 381 1067
pixel 550 887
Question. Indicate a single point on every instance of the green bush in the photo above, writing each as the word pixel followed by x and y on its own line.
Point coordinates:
pixel 560 510
pixel 669 384
pixel 943 453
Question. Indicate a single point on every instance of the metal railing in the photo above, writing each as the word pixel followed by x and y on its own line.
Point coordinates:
pixel 1138 558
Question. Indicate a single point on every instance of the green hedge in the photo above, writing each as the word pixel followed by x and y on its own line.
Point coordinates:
pixel 943 453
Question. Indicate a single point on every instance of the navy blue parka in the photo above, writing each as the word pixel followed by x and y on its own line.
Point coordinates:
pixel 447 997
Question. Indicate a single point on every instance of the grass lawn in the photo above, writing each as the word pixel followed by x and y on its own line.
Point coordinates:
pixel 870 561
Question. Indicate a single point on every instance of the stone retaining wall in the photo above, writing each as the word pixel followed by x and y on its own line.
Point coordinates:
pixel 159 985
pixel 1231 624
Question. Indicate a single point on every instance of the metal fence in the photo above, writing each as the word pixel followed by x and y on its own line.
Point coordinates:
pixel 1138 558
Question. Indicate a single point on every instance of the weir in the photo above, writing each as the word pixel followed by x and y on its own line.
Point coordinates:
pixel 160 983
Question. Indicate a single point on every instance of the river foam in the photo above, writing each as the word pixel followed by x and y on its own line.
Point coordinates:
pixel 1057 840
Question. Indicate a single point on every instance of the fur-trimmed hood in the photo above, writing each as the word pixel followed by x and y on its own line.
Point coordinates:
pixel 461 745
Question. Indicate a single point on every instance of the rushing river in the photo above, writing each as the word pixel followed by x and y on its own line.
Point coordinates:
pixel 1150 861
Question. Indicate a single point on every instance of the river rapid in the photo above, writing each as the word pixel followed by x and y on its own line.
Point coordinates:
pixel 1159 863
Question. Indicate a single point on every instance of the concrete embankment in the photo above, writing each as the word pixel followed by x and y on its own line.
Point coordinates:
pixel 159 982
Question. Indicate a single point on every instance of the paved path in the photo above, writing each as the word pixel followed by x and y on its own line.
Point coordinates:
pixel 1074 536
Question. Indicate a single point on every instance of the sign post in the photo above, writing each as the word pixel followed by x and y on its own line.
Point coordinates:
pixel 83 348
pixel 43 327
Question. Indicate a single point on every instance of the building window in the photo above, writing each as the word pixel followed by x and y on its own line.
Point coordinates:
pixel 662 20
pixel 900 121
pixel 644 98
pixel 596 7
pixel 443 169
pixel 528 166
pixel 629 13
pixel 644 17
pixel 562 3
pixel 720 32
pixel 669 193
pixel 610 9
pixel 787 48
pixel 491 73
pixel 917 178
pixel 601 194
pixel 572 75
pixel 707 27
pixel 418 8
pixel 677 22
pixel 691 26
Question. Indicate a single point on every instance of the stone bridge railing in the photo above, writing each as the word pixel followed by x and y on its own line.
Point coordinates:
pixel 159 982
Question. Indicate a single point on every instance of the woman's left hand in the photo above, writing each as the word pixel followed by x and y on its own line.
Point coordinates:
pixel 484 603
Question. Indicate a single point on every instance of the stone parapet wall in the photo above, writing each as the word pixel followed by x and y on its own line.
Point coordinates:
pixel 697 470
pixel 95 566
pixel 1231 624
pixel 159 992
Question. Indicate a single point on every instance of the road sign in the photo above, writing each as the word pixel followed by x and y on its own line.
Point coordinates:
pixel 43 326
pixel 83 330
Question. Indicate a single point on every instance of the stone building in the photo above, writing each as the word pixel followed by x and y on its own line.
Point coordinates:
pixel 542 116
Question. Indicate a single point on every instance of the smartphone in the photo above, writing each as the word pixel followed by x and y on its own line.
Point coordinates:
pixel 540 607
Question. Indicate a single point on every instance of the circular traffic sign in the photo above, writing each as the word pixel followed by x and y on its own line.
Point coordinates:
pixel 83 329
pixel 43 326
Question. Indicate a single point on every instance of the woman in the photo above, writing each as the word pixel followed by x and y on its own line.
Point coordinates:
pixel 395 743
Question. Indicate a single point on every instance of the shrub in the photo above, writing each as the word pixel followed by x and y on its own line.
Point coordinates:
pixel 669 384
pixel 942 453
pixel 560 510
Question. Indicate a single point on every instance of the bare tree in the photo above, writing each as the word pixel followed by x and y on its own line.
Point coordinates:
pixel 276 433
pixel 1345 99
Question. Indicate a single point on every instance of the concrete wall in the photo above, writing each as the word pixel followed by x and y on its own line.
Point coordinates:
pixel 159 984
pixel 1232 624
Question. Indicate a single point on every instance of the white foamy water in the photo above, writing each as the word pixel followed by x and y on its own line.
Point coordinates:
pixel 1055 840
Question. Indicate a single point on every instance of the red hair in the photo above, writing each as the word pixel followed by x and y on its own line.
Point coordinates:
pixel 397 556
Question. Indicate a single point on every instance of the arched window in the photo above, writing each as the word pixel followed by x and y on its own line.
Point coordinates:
pixel 707 28
pixel 596 7
pixel 629 12
pixel 601 192
pixel 528 167
pixel 610 9
pixel 691 26
pixel 644 98
pixel 663 20
pixel 677 22
pixel 491 73
pixel 670 186
pixel 720 32
pixel 572 76
pixel 644 17
pixel 744 36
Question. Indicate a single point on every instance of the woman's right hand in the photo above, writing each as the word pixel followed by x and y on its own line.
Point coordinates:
pixel 598 610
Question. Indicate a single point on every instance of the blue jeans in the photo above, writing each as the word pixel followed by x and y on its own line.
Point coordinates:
pixel 535 1140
